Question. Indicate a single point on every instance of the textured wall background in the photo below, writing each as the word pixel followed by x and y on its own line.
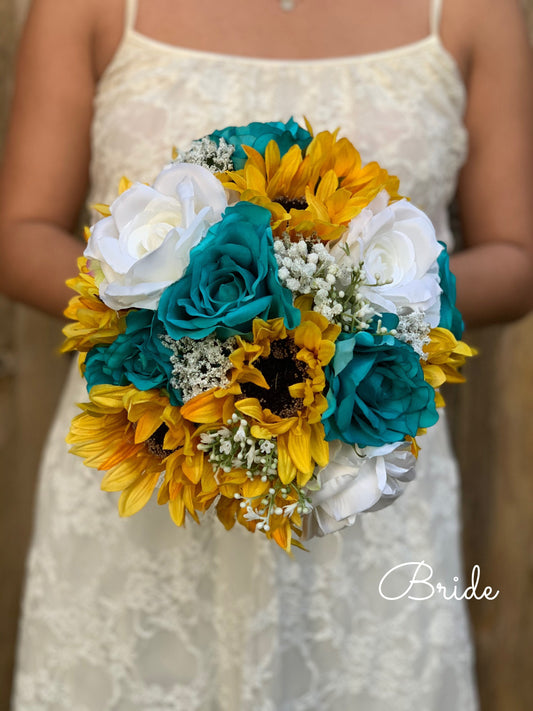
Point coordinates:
pixel 491 421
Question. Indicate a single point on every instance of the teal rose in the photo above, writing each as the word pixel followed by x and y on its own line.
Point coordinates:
pixel 258 136
pixel 137 356
pixel 377 393
pixel 231 279
pixel 450 316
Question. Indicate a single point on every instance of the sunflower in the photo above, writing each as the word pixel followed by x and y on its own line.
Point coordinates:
pixel 277 383
pixel 133 436
pixel 94 322
pixel 316 193
pixel 189 484
pixel 445 356
pixel 291 405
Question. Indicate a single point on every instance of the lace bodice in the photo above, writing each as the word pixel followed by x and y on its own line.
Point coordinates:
pixel 402 107
pixel 137 615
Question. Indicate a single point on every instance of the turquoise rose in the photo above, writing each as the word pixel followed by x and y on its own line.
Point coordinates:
pixel 258 136
pixel 450 316
pixel 136 356
pixel 232 278
pixel 377 392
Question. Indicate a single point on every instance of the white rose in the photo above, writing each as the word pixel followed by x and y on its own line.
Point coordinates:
pixel 399 249
pixel 355 482
pixel 144 245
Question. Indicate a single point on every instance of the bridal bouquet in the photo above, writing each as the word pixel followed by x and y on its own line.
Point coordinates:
pixel 264 329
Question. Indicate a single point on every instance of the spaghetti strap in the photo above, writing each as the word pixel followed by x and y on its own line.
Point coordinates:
pixel 435 13
pixel 130 14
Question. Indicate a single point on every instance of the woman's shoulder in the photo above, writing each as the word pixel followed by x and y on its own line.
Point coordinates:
pixel 478 29
pixel 93 27
pixel 109 18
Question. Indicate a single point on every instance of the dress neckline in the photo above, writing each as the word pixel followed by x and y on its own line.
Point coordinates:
pixel 272 61
pixel 431 40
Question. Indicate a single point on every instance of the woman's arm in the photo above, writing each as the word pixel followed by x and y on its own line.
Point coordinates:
pixel 44 174
pixel 495 272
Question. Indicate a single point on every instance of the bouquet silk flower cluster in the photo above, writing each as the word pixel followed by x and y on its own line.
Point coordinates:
pixel 263 330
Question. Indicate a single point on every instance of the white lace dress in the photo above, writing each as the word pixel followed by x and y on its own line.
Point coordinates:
pixel 138 615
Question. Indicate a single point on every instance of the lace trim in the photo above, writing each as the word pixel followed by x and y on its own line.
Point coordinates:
pixel 276 61
pixel 434 36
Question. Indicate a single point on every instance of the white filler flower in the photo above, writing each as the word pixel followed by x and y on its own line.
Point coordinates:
pixel 399 249
pixel 354 482
pixel 144 245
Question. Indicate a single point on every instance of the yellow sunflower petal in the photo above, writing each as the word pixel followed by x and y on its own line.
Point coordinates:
pixel 109 397
pixel 122 475
pixel 146 426
pixel 255 179
pixel 204 408
pixel 176 508
pixel 255 158
pixel 282 536
pixel 304 302
pixel 281 182
pixel 439 400
pixel 272 159
pixel 226 511
pixel 327 186
pixel 433 374
pixel 124 184
pixel 300 450
pixel 316 207
pixel 319 446
pixel 102 209
pixel 138 494
pixel 124 450
pixel 286 469
pixel 254 487
pixel 189 502
pixel 415 448
pixel 193 467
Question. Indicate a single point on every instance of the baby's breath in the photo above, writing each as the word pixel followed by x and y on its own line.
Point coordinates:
pixel 198 366
pixel 414 329
pixel 233 447
pixel 216 157
pixel 307 267
pixel 272 504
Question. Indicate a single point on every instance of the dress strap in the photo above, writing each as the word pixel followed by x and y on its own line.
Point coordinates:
pixel 130 14
pixel 434 16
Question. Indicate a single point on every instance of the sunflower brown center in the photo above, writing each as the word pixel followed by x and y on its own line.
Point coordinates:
pixel 280 369
pixel 291 203
pixel 154 444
